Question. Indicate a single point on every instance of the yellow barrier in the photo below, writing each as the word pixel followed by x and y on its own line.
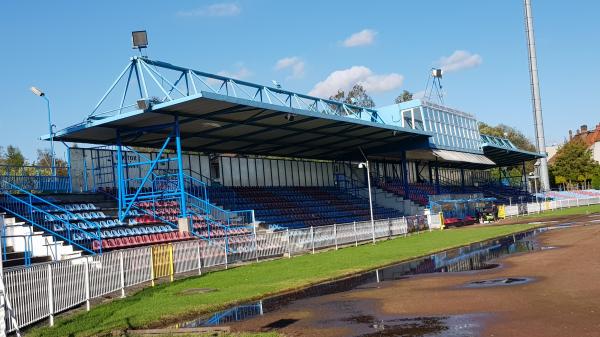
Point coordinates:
pixel 501 212
pixel 162 261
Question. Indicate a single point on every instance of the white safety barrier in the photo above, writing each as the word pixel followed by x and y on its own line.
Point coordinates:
pixel 41 291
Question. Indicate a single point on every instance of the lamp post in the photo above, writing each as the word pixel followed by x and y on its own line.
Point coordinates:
pixel 366 165
pixel 40 93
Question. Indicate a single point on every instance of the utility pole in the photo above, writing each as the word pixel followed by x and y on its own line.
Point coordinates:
pixel 535 97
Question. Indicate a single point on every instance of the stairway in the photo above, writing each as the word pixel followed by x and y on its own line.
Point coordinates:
pixel 387 199
pixel 25 245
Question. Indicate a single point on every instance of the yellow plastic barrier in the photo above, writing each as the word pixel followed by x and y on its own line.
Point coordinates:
pixel 501 212
pixel 162 261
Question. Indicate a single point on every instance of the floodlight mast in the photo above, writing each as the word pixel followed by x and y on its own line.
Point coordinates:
pixel 139 40
pixel 535 97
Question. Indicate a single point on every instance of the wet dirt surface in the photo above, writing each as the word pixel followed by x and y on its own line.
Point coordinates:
pixel 547 292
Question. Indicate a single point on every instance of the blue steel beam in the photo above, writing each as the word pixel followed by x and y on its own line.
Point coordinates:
pixel 227 86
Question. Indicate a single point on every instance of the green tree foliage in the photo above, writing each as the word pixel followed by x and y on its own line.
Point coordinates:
pixel 405 96
pixel 356 96
pixel 14 157
pixel 15 163
pixel 573 163
pixel 596 181
pixel 44 159
pixel 517 138
pixel 505 131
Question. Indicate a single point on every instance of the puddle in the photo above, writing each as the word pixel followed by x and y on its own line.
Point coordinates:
pixel 564 225
pixel 448 326
pixel 469 258
pixel 499 282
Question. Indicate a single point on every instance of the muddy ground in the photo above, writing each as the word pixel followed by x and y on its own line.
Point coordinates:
pixel 561 297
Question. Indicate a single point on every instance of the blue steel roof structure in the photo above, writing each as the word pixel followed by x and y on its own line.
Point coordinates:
pixel 504 153
pixel 224 115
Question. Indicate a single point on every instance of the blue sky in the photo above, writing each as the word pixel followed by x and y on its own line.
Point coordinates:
pixel 74 50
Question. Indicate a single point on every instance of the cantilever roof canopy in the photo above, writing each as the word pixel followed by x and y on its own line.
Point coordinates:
pixel 212 122
pixel 505 153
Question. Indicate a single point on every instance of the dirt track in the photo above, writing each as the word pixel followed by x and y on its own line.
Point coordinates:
pixel 562 300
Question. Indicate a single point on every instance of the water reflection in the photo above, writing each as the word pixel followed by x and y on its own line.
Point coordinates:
pixel 472 257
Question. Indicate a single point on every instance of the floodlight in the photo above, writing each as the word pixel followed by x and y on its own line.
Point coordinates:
pixel 276 84
pixel 37 91
pixel 436 72
pixel 290 117
pixel 139 39
pixel 362 165
pixel 143 104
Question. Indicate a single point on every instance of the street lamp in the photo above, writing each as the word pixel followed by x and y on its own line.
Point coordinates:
pixel 40 93
pixel 366 165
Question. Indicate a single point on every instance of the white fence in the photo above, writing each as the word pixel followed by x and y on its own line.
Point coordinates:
pixel 541 206
pixel 41 291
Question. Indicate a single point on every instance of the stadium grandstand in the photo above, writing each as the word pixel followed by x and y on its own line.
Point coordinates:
pixel 170 153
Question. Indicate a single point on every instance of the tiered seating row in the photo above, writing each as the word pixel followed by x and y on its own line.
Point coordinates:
pixel 294 207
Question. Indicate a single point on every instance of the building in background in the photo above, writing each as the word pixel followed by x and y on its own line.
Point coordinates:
pixel 591 138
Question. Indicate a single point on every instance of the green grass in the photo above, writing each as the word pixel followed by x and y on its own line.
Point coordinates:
pixel 165 304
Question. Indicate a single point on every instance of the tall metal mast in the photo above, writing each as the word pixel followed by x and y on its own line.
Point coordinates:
pixel 535 97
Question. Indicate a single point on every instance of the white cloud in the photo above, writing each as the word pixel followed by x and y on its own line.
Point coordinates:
pixel 459 60
pixel 362 38
pixel 241 73
pixel 294 63
pixel 218 9
pixel 344 79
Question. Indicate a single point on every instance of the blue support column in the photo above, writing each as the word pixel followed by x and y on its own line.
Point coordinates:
pixel 120 183
pixel 404 172
pixel 524 179
pixel 180 170
pixel 437 178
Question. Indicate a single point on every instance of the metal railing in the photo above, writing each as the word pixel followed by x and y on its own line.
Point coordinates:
pixel 37 178
pixel 50 217
pixel 43 290
pixel 543 205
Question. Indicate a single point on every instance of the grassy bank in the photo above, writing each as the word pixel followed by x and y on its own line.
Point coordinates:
pixel 170 303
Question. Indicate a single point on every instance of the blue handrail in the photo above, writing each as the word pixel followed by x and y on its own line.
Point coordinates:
pixel 44 217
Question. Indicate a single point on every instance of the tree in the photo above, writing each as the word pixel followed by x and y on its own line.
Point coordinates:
pixel 13 157
pixel 596 181
pixel 505 131
pixel 404 97
pixel 44 159
pixel 517 138
pixel 574 162
pixel 339 96
pixel 356 96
